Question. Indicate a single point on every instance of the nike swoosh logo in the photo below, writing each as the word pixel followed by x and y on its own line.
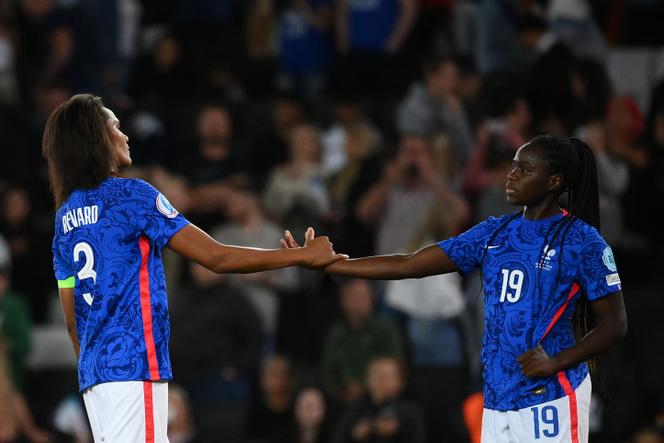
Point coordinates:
pixel 493 246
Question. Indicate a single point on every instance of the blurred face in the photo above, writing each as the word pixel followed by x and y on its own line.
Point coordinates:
pixel 167 53
pixel 443 80
pixel 241 205
pixel 415 151
pixel 384 379
pixel 310 408
pixel 275 378
pixel 214 124
pixel 356 301
pixel 528 183
pixel 347 113
pixel 17 206
pixel 286 113
pixel 304 144
pixel 119 141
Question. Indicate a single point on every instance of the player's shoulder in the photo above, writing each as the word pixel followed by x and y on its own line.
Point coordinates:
pixel 495 222
pixel 584 231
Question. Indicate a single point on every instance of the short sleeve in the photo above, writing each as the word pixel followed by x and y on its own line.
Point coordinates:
pixel 64 273
pixel 156 217
pixel 598 272
pixel 466 249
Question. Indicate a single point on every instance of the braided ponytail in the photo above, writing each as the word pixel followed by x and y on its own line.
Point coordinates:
pixel 575 161
pixel 583 191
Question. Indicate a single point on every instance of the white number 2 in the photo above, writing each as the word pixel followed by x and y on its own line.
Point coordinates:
pixel 86 271
pixel 513 279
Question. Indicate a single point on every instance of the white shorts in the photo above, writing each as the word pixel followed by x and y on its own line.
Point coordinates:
pixel 128 411
pixel 563 420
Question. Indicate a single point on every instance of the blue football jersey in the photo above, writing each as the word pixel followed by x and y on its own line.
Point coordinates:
pixel 533 273
pixel 107 246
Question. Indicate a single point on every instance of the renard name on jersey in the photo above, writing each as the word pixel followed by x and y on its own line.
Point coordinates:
pixel 76 217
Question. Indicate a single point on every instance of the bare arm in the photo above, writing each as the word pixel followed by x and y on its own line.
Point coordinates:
pixel 403 26
pixel 611 327
pixel 67 301
pixel 430 260
pixel 196 245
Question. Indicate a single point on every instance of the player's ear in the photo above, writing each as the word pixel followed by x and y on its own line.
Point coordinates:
pixel 556 183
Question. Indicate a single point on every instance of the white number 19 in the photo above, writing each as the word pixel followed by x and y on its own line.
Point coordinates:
pixel 513 279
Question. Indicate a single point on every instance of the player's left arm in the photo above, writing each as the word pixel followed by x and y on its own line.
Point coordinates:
pixel 611 327
pixel 67 301
pixel 196 245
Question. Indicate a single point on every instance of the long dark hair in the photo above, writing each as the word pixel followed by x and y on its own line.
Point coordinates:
pixel 573 159
pixel 77 146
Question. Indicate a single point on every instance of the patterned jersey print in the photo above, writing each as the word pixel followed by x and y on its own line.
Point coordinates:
pixel 531 273
pixel 107 246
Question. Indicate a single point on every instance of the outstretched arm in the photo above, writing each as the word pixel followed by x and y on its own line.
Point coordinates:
pixel 611 327
pixel 430 260
pixel 198 246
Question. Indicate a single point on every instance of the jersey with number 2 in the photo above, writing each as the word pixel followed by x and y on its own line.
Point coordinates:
pixel 531 285
pixel 107 247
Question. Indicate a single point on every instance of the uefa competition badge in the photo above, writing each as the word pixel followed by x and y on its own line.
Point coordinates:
pixel 609 261
pixel 165 207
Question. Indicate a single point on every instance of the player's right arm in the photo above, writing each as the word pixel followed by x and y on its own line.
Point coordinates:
pixel 198 246
pixel 67 301
pixel 430 260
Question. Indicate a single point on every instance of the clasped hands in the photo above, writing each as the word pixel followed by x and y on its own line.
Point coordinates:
pixel 320 252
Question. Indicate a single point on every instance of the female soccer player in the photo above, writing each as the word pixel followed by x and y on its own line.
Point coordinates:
pixel 109 234
pixel 547 274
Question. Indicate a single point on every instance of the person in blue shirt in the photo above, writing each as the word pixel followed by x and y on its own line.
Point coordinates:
pixel 552 293
pixel 107 256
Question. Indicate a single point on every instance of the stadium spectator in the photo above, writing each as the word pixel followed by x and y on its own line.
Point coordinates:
pixel 401 201
pixel 270 144
pixel 305 46
pixel 295 194
pixel 370 36
pixel 15 417
pixel 361 168
pixel 435 107
pixel 272 410
pixel 25 234
pixel 354 341
pixel 384 415
pixel 15 327
pixel 221 368
pixel 247 226
pixel 181 428
pixel 311 421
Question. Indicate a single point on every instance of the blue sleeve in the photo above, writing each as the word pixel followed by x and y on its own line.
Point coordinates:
pixel 598 273
pixel 156 217
pixel 61 266
pixel 467 249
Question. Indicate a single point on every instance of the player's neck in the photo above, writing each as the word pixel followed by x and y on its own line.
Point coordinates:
pixel 540 212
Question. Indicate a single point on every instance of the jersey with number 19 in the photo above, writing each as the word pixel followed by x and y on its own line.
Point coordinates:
pixel 533 273
pixel 107 247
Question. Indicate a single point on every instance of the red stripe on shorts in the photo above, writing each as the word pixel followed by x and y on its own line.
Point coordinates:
pixel 146 309
pixel 573 408
pixel 149 412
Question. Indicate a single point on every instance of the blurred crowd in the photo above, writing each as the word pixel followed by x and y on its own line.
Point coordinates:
pixel 384 124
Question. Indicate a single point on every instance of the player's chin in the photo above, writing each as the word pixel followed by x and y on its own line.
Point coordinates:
pixel 513 199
